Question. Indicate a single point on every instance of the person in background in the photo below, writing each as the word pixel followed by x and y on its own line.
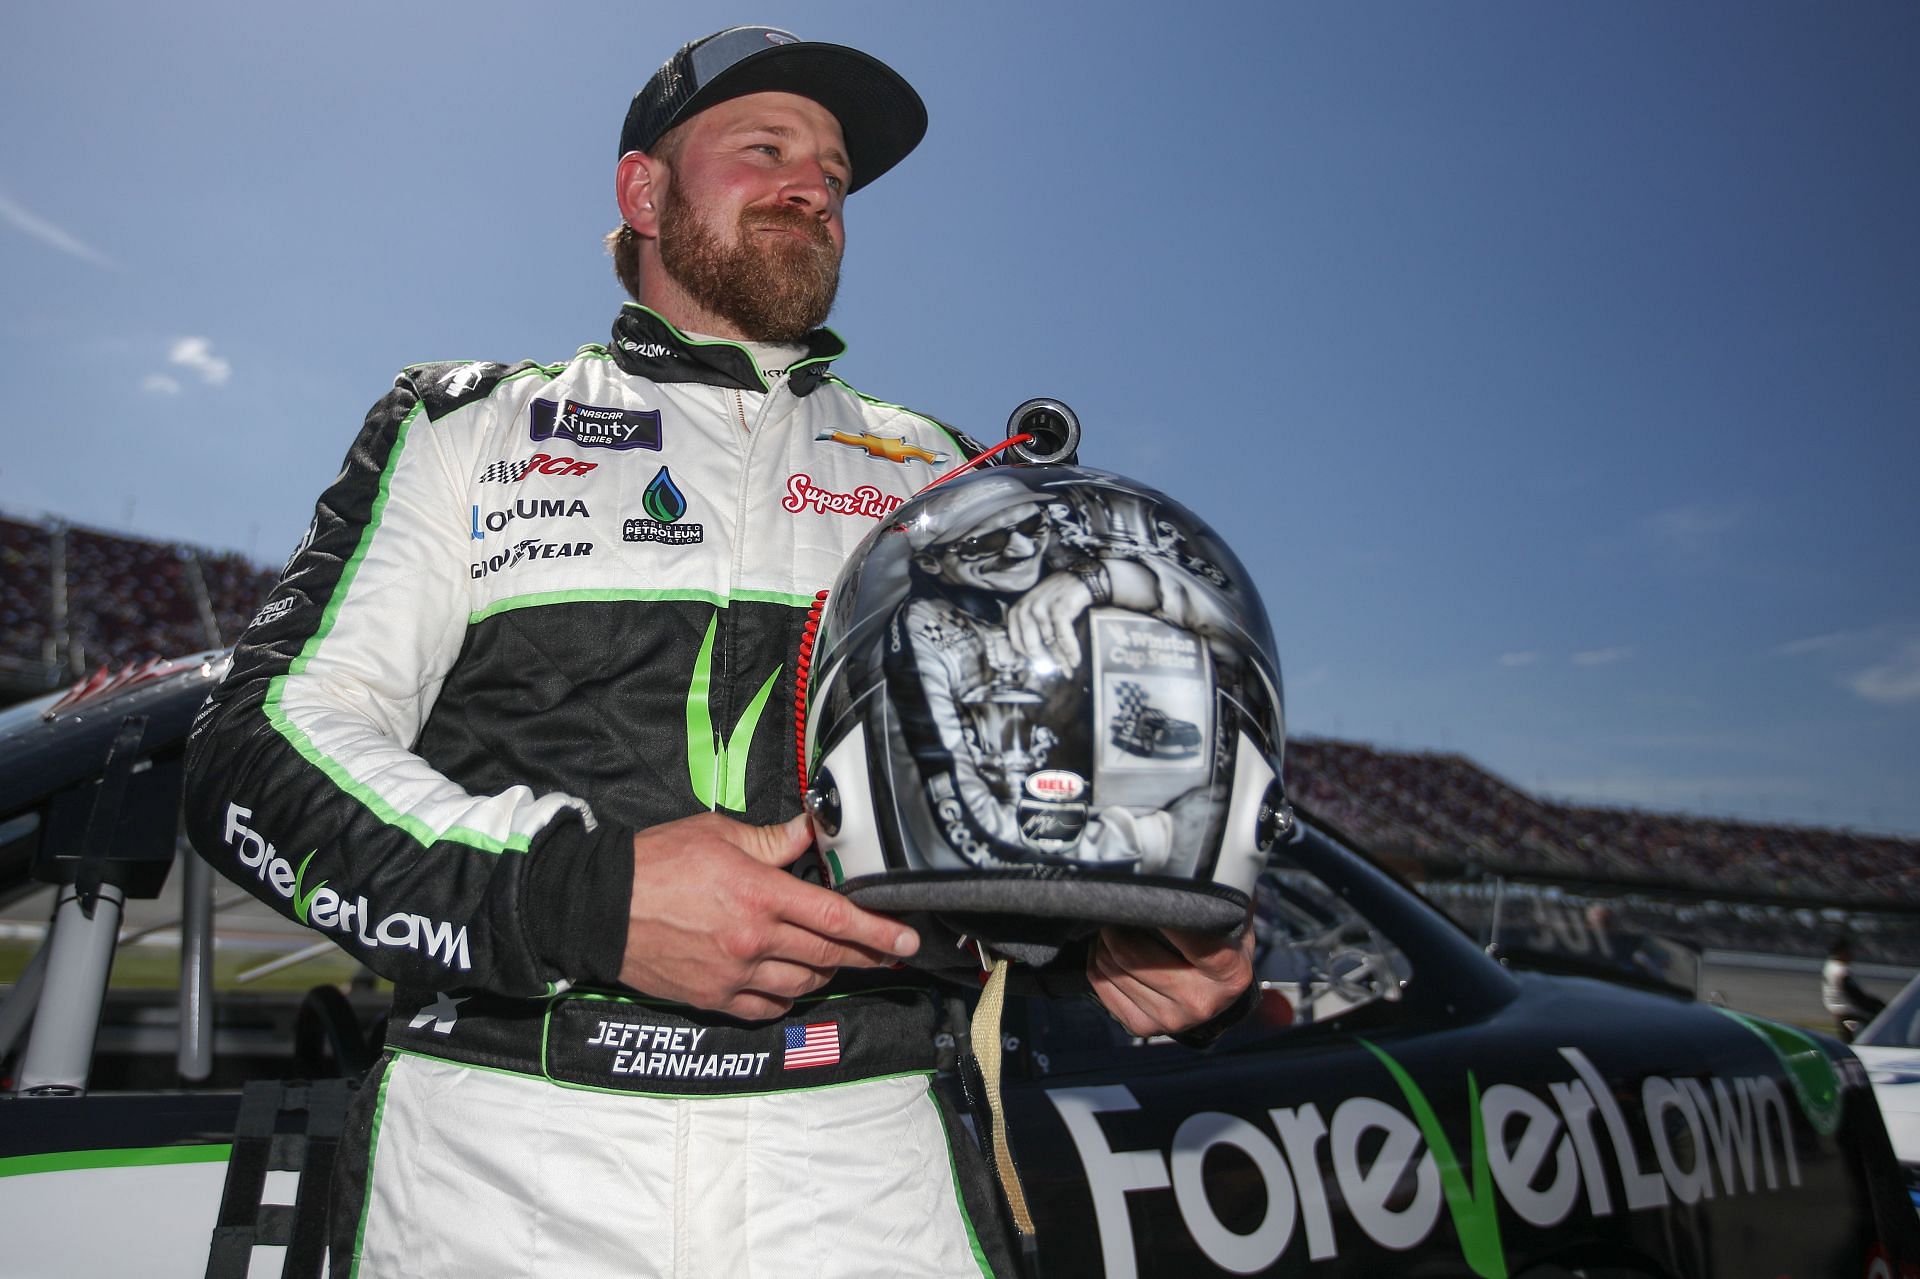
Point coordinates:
pixel 1850 1005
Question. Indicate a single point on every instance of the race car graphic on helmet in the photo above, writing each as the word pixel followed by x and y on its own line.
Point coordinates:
pixel 1047 693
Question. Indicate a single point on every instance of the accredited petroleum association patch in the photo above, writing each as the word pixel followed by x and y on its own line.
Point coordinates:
pixel 638 530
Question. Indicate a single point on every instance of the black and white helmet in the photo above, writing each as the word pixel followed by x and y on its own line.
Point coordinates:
pixel 1043 699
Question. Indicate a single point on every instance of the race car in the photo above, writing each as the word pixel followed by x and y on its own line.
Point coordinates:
pixel 1399 1102
pixel 1889 1047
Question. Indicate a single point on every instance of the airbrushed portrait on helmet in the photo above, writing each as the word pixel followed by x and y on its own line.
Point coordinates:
pixel 1056 697
pixel 1054 670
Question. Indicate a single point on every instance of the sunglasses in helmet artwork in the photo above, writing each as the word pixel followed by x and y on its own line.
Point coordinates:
pixel 1042 699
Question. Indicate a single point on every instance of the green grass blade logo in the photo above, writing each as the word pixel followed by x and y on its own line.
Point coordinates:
pixel 717 769
pixel 1474 1208
pixel 302 895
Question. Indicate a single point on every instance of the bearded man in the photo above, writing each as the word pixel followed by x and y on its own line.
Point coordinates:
pixel 503 733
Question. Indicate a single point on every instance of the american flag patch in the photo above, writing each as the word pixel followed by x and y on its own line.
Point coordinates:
pixel 815 1044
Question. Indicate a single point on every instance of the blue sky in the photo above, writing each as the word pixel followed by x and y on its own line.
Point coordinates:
pixel 1553 365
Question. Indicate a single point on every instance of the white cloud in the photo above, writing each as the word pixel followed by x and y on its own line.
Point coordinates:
pixel 1694 533
pixel 1527 658
pixel 1817 644
pixel 197 354
pixel 28 223
pixel 1880 663
pixel 1601 656
pixel 1894 681
pixel 160 384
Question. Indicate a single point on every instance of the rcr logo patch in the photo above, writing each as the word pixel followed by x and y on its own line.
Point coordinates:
pixel 512 472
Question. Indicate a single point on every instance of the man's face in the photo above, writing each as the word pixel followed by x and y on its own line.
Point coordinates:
pixel 1003 553
pixel 750 220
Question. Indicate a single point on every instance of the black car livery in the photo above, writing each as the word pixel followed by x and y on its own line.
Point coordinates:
pixel 1404 1105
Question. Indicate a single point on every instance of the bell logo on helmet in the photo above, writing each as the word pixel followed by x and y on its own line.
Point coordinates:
pixel 1056 783
pixel 1051 813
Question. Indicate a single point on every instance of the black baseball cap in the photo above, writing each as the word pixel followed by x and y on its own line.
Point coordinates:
pixel 880 115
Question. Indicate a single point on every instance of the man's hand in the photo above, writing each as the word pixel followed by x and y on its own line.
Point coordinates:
pixel 715 922
pixel 1161 983
pixel 1040 623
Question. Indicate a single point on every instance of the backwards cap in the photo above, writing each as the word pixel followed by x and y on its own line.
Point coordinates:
pixel 881 117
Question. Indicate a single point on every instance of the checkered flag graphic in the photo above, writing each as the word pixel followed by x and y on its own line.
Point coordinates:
pixel 1130 700
pixel 504 472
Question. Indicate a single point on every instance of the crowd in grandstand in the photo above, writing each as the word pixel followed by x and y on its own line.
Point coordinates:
pixel 1449 816
pixel 73 600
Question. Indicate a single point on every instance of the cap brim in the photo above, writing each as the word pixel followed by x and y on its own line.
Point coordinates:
pixel 881 117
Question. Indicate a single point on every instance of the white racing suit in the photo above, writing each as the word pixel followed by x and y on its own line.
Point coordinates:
pixel 543 607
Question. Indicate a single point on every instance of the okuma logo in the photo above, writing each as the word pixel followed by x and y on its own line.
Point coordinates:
pixel 546 508
pixel 324 908
pixel 1541 1154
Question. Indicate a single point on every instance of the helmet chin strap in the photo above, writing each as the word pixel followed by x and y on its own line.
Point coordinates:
pixel 987 1052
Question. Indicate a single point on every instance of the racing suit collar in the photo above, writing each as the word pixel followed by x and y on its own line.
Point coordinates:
pixel 646 345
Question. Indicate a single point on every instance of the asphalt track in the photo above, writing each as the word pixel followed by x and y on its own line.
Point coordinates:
pixel 1785 988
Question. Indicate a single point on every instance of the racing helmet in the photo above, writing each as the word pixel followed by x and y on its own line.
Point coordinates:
pixel 1041 699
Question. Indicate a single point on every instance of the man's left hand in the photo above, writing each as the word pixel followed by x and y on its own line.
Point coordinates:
pixel 1164 982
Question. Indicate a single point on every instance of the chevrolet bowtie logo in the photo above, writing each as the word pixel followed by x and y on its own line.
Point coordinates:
pixel 889 447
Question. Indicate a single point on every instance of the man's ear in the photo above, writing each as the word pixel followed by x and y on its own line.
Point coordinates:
pixel 639 183
pixel 928 564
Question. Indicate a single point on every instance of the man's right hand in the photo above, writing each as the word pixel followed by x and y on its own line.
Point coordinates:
pixel 717 922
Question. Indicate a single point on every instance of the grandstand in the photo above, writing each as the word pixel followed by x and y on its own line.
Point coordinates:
pixel 1442 816
pixel 1466 839
pixel 73 599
